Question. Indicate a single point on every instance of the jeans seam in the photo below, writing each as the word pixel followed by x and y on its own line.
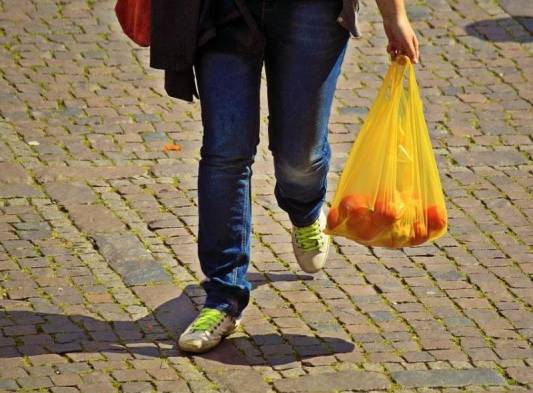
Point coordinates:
pixel 234 276
pixel 245 215
pixel 244 227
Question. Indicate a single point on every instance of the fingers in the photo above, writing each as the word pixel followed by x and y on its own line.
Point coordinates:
pixel 391 50
pixel 409 48
pixel 417 49
pixel 411 51
pixel 394 49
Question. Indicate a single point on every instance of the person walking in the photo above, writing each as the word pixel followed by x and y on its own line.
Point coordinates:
pixel 302 44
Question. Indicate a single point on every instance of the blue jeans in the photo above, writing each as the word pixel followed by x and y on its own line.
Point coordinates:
pixel 305 47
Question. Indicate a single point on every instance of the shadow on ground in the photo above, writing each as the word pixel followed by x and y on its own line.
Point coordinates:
pixel 30 333
pixel 502 29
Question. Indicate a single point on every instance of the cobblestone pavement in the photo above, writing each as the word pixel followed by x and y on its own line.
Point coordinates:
pixel 98 264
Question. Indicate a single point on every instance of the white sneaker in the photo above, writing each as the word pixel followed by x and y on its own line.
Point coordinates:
pixel 207 330
pixel 311 245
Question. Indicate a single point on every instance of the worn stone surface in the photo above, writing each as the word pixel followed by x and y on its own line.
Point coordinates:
pixel 241 381
pixel 522 8
pixel 99 272
pixel 490 158
pixel 70 193
pixel 329 382
pixel 521 374
pixel 15 190
pixel 13 173
pixel 127 256
pixel 169 170
pixel 64 173
pixel 448 378
pixel 95 218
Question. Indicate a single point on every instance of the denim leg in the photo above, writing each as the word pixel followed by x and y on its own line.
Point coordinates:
pixel 303 57
pixel 229 85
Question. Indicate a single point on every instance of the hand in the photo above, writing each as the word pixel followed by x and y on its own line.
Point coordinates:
pixel 402 39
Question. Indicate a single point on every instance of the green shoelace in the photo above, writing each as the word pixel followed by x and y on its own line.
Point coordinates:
pixel 309 237
pixel 208 319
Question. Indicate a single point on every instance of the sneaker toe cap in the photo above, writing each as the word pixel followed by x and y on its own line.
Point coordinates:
pixel 191 345
pixel 312 265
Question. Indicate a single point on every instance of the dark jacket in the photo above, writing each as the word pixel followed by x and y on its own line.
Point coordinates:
pixel 180 27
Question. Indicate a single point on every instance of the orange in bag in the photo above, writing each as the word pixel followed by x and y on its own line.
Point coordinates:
pixel 436 219
pixel 420 233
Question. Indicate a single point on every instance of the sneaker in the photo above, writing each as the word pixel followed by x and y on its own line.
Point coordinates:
pixel 207 330
pixel 311 245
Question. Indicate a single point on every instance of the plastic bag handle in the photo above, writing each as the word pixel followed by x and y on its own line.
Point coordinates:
pixel 402 59
pixel 396 74
pixel 405 63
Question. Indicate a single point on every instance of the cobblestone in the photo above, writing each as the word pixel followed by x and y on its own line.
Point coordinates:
pixel 448 378
pixel 126 255
pixel 342 380
pixel 98 265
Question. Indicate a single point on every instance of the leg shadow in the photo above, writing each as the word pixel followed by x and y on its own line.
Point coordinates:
pixel 28 333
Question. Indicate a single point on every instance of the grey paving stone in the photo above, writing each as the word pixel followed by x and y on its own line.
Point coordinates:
pixel 19 190
pixel 72 81
pixel 328 382
pixel 8 384
pixel 70 193
pixel 447 377
pixel 127 256
pixel 249 381
pixel 137 387
pixel 172 386
pixel 154 136
pixel 95 218
pixel 489 158
pixel 11 172
pixel 521 374
pixel 32 382
pixel 381 316
pixel 32 226
pixel 451 275
pixel 58 173
pixel 173 169
pixel 518 7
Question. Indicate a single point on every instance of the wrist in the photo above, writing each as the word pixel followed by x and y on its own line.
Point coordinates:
pixel 399 18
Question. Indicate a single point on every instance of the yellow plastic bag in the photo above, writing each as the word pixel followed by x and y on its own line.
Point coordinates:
pixel 389 193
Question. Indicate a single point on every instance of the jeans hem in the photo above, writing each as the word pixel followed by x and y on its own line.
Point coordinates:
pixel 299 225
pixel 218 306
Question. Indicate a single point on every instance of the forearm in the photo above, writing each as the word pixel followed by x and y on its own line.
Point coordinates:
pixel 402 38
pixel 392 10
